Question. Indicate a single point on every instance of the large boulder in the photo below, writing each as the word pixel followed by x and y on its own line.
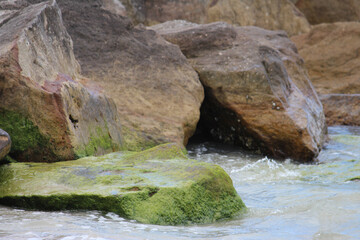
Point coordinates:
pixel 157 186
pixel 157 92
pixel 257 92
pixel 46 107
pixel 328 11
pixel 271 14
pixel 5 143
pixel 331 54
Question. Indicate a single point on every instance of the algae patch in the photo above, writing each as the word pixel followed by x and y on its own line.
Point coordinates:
pixel 157 186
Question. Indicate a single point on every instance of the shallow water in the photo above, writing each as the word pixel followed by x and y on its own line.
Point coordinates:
pixel 286 200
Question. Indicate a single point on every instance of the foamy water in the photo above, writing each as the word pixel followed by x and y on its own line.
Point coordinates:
pixel 285 200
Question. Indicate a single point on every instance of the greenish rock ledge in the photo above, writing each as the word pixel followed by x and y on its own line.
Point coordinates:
pixel 157 186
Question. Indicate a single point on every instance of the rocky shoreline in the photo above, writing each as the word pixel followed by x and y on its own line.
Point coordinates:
pixel 82 79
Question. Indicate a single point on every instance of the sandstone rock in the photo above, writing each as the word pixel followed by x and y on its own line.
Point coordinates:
pixel 257 92
pixel 273 15
pixel 328 11
pixel 157 186
pixel 331 53
pixel 48 113
pixel 341 109
pixel 5 143
pixel 157 92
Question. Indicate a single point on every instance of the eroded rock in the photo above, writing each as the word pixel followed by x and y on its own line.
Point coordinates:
pixel 257 92
pixel 48 113
pixel 5 143
pixel 331 53
pixel 157 186
pixel 273 14
pixel 328 11
pixel 157 92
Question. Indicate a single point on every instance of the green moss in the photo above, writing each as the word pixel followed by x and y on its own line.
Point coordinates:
pixel 24 134
pixel 163 151
pixel 354 179
pixel 135 140
pixel 160 186
pixel 99 141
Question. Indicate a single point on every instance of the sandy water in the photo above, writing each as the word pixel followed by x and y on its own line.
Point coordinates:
pixel 285 200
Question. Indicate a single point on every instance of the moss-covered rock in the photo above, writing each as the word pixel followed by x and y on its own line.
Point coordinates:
pixel 157 186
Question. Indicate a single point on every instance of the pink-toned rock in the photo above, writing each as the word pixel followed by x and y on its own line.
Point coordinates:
pixel 331 53
pixel 342 109
pixel 257 92
pixel 5 143
pixel 48 113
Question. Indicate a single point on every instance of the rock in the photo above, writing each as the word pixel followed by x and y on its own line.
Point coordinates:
pixel 257 92
pixel 273 15
pixel 157 92
pixel 5 143
pixel 331 53
pixel 157 186
pixel 341 109
pixel 50 111
pixel 328 11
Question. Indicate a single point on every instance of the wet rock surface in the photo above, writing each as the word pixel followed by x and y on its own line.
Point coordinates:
pixel 257 92
pixel 51 112
pixel 157 186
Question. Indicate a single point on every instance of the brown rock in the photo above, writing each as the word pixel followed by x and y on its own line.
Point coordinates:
pixel 157 92
pixel 257 93
pixel 5 143
pixel 328 11
pixel 342 109
pixel 332 57
pixel 49 114
pixel 273 15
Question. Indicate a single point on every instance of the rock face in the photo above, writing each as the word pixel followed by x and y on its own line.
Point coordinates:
pixel 157 93
pixel 331 53
pixel 257 92
pixel 272 14
pixel 157 186
pixel 5 143
pixel 341 109
pixel 48 113
pixel 328 11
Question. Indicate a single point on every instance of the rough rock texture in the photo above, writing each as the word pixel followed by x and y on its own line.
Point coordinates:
pixel 157 186
pixel 271 14
pixel 328 11
pixel 157 92
pixel 332 57
pixel 48 113
pixel 341 109
pixel 257 92
pixel 5 143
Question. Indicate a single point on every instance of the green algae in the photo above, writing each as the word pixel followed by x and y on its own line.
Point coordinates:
pixel 347 139
pixel 98 140
pixel 160 186
pixel 134 140
pixel 25 136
